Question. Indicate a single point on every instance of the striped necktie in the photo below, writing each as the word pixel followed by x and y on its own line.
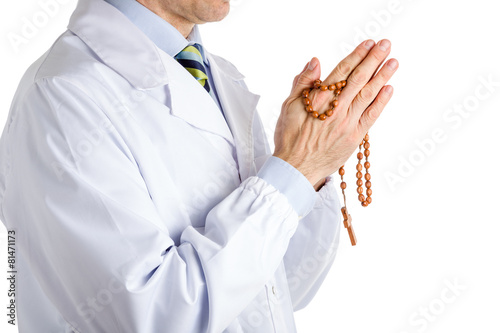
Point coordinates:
pixel 192 60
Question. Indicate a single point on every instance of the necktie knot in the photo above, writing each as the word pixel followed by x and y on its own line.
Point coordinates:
pixel 192 60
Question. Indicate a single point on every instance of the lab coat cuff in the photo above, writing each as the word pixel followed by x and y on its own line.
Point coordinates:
pixel 328 194
pixel 291 182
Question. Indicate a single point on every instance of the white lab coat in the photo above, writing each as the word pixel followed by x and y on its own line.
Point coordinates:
pixel 136 207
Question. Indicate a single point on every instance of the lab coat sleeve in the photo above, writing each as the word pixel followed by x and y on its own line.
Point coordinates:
pixel 95 242
pixel 313 247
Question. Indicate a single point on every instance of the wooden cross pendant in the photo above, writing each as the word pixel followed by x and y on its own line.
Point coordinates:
pixel 348 225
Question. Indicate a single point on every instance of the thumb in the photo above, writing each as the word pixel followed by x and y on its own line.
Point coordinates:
pixel 305 80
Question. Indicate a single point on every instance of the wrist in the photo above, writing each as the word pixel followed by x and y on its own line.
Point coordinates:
pixel 310 173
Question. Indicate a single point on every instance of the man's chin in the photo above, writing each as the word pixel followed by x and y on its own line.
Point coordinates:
pixel 221 13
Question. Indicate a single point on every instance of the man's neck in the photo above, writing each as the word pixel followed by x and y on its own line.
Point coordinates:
pixel 178 22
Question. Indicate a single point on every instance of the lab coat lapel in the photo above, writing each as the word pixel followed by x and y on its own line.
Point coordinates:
pixel 239 107
pixel 191 102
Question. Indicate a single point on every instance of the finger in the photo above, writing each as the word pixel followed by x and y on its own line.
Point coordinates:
pixel 305 80
pixel 366 96
pixel 297 77
pixel 372 113
pixel 343 69
pixel 346 66
pixel 365 70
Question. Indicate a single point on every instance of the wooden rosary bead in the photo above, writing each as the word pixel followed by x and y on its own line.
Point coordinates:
pixel 367 165
pixel 329 113
pixel 339 85
pixel 335 103
pixel 315 114
pixel 307 101
pixel 322 116
pixel 368 176
pixel 360 190
pixel 361 197
pixel 309 108
pixel 359 182
pixel 331 87
pixel 359 175
pixel 369 192
pixel 305 93
pixel 341 171
pixel 367 153
pixel 360 156
pixel 369 200
pixel 337 91
pixel 344 83
pixel 343 185
pixel 368 184
pixel 359 167
pixel 367 137
pixel 324 88
pixel 365 203
pixel 366 145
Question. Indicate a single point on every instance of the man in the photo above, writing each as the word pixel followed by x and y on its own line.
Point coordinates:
pixel 143 195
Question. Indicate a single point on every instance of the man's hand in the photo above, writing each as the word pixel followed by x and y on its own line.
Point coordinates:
pixel 319 148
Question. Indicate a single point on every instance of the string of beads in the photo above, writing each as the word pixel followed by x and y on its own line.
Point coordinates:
pixel 362 154
pixel 365 201
pixel 359 175
pixel 336 88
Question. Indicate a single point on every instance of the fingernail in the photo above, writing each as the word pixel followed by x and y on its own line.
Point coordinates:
pixel 369 44
pixel 312 64
pixel 392 64
pixel 388 90
pixel 384 45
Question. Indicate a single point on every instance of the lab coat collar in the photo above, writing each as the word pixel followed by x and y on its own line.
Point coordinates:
pixel 119 45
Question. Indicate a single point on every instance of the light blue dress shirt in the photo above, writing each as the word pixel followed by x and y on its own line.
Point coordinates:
pixel 280 174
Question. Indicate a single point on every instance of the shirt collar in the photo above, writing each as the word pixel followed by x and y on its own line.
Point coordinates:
pixel 162 33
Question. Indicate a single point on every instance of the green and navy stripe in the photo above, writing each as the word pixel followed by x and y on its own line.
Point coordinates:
pixel 192 60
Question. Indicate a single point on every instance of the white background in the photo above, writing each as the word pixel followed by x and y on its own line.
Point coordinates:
pixel 434 220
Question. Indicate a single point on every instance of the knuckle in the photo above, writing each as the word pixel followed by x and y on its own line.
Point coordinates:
pixel 379 55
pixel 286 104
pixel 376 105
pixel 344 69
pixel 384 74
pixel 366 95
pixel 360 52
pixel 371 113
pixel 303 79
pixel 358 77
pixel 382 99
